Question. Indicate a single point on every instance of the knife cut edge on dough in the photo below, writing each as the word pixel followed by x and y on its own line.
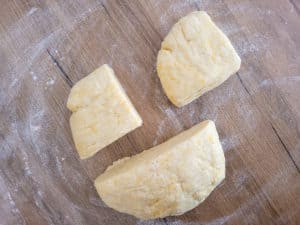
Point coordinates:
pixel 169 179
pixel 102 112
pixel 195 50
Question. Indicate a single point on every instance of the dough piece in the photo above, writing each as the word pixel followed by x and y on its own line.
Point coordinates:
pixel 102 112
pixel 195 57
pixel 169 179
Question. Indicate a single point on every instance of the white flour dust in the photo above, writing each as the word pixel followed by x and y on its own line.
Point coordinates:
pixel 281 81
pixel 50 82
pixel 9 213
pixel 34 142
pixel 32 11
pixel 229 143
pixel 43 139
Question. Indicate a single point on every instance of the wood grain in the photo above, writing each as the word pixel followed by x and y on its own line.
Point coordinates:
pixel 46 46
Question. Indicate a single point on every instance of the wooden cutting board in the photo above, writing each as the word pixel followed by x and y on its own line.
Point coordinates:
pixel 46 46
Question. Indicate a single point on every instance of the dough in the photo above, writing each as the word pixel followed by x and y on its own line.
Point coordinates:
pixel 102 112
pixel 195 57
pixel 169 179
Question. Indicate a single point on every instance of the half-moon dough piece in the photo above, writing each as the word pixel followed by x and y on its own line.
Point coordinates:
pixel 169 179
pixel 102 112
pixel 195 57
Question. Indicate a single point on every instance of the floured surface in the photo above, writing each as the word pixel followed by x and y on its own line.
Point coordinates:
pixel 46 46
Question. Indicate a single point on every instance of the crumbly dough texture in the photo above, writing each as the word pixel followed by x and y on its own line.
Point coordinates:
pixel 102 112
pixel 168 179
pixel 195 57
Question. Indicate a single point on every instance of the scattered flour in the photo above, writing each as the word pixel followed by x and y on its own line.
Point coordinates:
pixel 281 81
pixel 229 143
pixel 44 149
pixel 32 11
pixel 159 132
pixel 50 82
pixel 33 76
pixel 9 213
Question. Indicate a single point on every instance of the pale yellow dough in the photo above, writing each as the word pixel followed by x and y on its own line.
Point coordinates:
pixel 195 57
pixel 102 112
pixel 168 179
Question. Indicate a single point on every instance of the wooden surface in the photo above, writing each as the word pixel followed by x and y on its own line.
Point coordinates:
pixel 48 45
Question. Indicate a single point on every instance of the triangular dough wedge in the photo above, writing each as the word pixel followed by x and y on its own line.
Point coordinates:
pixel 168 179
pixel 195 57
